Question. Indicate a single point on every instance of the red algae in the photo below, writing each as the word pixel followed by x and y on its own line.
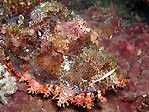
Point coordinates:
pixel 63 57
pixel 66 59
pixel 131 61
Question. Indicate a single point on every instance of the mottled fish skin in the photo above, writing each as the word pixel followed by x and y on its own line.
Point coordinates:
pixel 59 56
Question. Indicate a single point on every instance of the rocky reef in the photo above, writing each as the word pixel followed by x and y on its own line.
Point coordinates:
pixel 80 59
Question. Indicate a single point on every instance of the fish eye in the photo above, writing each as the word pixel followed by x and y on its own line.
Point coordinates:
pixel 39 33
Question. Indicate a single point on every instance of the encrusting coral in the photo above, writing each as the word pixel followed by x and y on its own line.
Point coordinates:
pixel 7 84
pixel 60 56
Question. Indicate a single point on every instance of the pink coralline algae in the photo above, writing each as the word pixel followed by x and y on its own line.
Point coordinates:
pixel 59 56
pixel 74 59
pixel 130 46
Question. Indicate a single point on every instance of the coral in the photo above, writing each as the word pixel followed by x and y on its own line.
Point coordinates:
pixel 7 84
